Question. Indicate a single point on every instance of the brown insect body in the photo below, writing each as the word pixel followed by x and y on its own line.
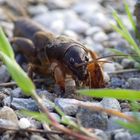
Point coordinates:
pixel 61 56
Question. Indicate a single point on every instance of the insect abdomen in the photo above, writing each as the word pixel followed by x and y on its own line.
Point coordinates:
pixel 26 28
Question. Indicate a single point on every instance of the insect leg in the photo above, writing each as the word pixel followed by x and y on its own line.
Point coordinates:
pixel 96 77
pixel 58 75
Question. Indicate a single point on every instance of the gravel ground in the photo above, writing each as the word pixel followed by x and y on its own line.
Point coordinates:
pixel 88 22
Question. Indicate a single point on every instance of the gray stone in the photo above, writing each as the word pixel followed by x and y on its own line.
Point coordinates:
pixel 4 75
pixel 4 92
pixel 71 34
pixel 111 103
pixel 134 83
pixel 122 136
pixel 92 119
pixel 118 66
pixel 68 106
pixel 35 123
pixel 112 123
pixel 77 26
pixel 17 93
pixel 48 104
pixel 135 137
pixel 123 46
pixel 117 82
pixel 59 4
pixel 100 37
pixel 113 36
pixel 94 46
pixel 2 1
pixel 125 106
pixel 54 22
pixel 127 63
pixel 37 10
pixel 109 67
pixel 101 134
pixel 36 137
pixel 45 94
pixel 50 16
pixel 93 30
pixel 98 48
pixel 21 104
pixel 57 26
pixel 8 113
pixel 86 7
pixel 132 113
pixel 56 116
pixel 7 123
pixel 99 19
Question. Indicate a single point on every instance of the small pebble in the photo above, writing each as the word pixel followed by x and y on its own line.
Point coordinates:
pixel 21 104
pixel 127 64
pixel 122 136
pixel 134 83
pixel 37 10
pixel 92 119
pixel 109 67
pixel 68 106
pixel 100 37
pixel 24 123
pixel 36 137
pixel 9 114
pixel 101 134
pixel 4 75
pixel 111 103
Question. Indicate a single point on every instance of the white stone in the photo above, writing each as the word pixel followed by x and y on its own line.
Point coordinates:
pixel 57 26
pixel 100 37
pixel 77 26
pixel 106 77
pixel 24 123
pixel 71 34
pixel 36 10
pixel 109 67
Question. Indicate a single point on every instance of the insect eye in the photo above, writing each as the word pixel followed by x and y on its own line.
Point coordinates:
pixel 72 60
pixel 86 58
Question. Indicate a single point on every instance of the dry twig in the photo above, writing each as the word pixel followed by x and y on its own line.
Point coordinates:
pixel 113 112
pixel 9 84
pixel 29 130
pixel 60 127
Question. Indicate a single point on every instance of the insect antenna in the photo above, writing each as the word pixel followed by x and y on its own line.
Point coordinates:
pixel 112 56
pixel 99 59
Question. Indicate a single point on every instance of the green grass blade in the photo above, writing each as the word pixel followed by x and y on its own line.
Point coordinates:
pixel 127 9
pixel 5 46
pixel 127 37
pixel 134 127
pixel 36 115
pixel 21 78
pixel 122 30
pixel 112 93
pixel 117 52
pixel 117 29
pixel 119 21
pixel 129 56
pixel 66 120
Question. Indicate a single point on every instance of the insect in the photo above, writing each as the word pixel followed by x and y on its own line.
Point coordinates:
pixel 47 53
